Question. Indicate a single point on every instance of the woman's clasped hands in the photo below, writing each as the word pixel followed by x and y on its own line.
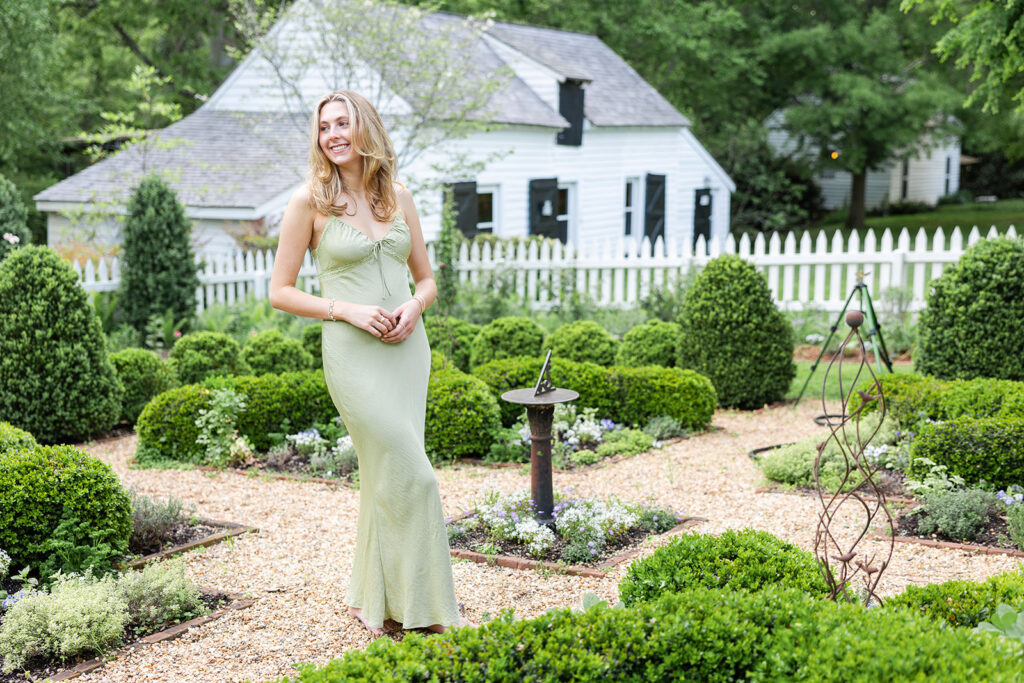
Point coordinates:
pixel 389 326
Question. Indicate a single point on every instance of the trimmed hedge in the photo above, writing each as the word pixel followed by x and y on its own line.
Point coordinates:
pixel 583 341
pixel 200 355
pixel 629 395
pixel 43 486
pixel 653 343
pixel 312 341
pixel 451 336
pixel 271 351
pixel 962 603
pixel 717 635
pixel 971 326
pixel 143 374
pixel 733 334
pixel 167 428
pixel 739 560
pixel 989 449
pixel 11 438
pixel 912 398
pixel 462 416
pixel 505 338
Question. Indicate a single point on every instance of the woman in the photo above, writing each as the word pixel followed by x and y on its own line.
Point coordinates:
pixel 365 237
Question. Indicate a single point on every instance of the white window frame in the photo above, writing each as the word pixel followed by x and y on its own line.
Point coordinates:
pixel 635 197
pixel 492 225
pixel 572 188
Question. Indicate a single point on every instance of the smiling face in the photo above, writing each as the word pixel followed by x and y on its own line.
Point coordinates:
pixel 337 132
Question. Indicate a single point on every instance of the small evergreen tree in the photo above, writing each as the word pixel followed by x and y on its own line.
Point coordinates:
pixel 14 230
pixel 55 379
pixel 159 269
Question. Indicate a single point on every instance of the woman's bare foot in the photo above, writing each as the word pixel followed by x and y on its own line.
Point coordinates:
pixel 358 614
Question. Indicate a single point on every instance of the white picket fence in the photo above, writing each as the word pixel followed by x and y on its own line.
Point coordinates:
pixel 819 273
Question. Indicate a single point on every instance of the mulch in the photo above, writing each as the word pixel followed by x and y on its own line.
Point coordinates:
pixel 180 534
pixel 995 534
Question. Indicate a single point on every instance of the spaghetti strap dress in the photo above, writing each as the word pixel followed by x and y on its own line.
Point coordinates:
pixel 402 568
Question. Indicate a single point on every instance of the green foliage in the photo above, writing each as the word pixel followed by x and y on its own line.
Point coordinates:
pixel 451 336
pixel 312 341
pixel 653 343
pixel 45 486
pixel 962 603
pixel 733 334
pixel 76 618
pixel 1015 525
pixel 218 431
pixel 159 594
pixel 1006 622
pixel 271 351
pixel 508 446
pixel 625 442
pixel 167 426
pixel 971 326
pixel 14 230
pixel 55 379
pixel 76 546
pixel 158 271
pixel 12 438
pixel 462 416
pixel 959 514
pixel 739 560
pixel 199 355
pixel 913 398
pixel 583 341
pixel 652 391
pixel 989 449
pixel 665 427
pixel 143 374
pixel 505 338
pixel 153 520
pixel 699 635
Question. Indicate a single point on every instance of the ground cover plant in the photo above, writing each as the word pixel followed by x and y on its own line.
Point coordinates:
pixel 584 531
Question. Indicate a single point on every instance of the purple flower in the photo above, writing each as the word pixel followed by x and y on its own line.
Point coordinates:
pixel 590 545
pixel 593 552
pixel 655 518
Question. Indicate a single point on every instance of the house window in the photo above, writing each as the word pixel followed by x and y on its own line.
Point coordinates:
pixel 570 106
pixel 475 207
pixel 631 205
pixel 485 203
pixel 905 179
pixel 949 166
pixel 565 209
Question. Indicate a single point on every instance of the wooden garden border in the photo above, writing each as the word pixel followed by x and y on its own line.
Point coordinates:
pixel 232 530
pixel 597 571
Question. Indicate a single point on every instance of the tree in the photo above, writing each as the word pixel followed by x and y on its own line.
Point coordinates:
pixel 986 37
pixel 159 271
pixel 399 58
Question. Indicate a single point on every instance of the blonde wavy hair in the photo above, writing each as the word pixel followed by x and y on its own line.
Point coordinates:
pixel 371 142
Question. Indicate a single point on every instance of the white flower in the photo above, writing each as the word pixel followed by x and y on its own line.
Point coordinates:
pixel 5 564
pixel 13 239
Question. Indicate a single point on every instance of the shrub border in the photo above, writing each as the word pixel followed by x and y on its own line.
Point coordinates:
pixel 233 529
pixel 170 633
pixel 599 571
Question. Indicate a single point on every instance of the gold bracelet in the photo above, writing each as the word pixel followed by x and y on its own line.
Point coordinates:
pixel 330 310
pixel 422 302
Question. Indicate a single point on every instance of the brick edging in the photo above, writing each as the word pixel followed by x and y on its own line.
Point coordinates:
pixel 967 547
pixel 233 529
pixel 170 633
pixel 812 494
pixel 599 571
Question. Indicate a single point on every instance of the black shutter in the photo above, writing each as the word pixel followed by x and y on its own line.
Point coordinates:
pixel 544 207
pixel 464 196
pixel 702 216
pixel 570 106
pixel 654 207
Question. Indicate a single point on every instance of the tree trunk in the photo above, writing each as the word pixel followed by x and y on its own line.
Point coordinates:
pixel 855 216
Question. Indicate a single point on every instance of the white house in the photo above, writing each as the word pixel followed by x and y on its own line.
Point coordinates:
pixel 582 149
pixel 923 177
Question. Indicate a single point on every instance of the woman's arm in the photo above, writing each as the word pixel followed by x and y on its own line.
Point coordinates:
pixel 422 274
pixel 296 232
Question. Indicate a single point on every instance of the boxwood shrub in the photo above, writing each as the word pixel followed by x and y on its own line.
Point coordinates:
pixel 913 398
pixel 462 416
pixel 733 334
pixel 739 560
pixel 989 449
pixel 43 486
pixel 654 391
pixel 143 374
pixel 701 635
pixel 653 343
pixel 11 438
pixel 972 322
pixel 962 603
pixel 505 338
pixel 271 351
pixel 200 355
pixel 312 341
pixel 583 341
pixel 451 336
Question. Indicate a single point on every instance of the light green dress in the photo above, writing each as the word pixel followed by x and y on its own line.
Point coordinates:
pixel 402 569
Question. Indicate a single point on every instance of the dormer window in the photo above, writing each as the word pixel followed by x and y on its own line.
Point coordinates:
pixel 570 106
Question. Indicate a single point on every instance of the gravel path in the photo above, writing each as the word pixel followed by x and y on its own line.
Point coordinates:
pixel 297 566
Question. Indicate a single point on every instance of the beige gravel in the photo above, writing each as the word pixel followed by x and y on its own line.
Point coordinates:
pixel 297 565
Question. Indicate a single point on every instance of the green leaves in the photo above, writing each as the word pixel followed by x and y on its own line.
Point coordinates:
pixel 1007 622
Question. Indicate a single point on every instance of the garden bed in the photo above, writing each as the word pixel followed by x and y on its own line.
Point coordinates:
pixel 218 602
pixel 993 539
pixel 185 537
pixel 891 484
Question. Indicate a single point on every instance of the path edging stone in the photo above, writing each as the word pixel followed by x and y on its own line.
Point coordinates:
pixel 233 529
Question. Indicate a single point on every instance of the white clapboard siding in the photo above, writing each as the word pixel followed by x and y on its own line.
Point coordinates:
pixel 617 273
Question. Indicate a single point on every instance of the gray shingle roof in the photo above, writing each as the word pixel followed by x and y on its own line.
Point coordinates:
pixel 211 159
pixel 616 94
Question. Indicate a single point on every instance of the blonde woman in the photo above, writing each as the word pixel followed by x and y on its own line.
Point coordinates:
pixel 365 237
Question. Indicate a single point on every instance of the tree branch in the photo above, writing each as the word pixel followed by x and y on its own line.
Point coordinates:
pixel 134 47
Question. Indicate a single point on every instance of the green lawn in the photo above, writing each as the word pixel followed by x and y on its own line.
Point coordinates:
pixel 850 367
